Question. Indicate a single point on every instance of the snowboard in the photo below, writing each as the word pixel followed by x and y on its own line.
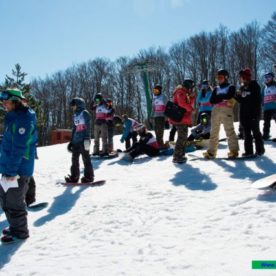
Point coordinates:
pixel 37 206
pixel 95 183
pixel 109 156
pixel 268 182
pixel 239 158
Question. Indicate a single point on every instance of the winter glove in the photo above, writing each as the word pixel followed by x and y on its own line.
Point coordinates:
pixel 122 140
pixel 70 147
pixel 86 144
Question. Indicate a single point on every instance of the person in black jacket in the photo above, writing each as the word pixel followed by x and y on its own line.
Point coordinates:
pixel 147 144
pixel 249 97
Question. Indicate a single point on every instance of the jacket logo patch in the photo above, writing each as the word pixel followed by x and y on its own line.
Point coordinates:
pixel 22 130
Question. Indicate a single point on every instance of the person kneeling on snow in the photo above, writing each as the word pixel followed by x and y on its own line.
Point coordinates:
pixel 202 130
pixel 147 144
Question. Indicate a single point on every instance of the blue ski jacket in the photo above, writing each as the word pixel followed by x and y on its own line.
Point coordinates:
pixel 19 143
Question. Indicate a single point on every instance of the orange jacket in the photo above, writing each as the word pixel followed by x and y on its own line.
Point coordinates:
pixel 182 98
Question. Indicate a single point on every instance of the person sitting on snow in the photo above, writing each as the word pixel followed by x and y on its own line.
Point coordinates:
pixel 202 130
pixel 147 144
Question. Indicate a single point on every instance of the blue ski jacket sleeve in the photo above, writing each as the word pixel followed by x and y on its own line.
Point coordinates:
pixel 19 143
pixel 127 129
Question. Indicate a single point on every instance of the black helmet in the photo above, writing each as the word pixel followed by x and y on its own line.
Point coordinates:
pixel 223 72
pixel 269 75
pixel 98 97
pixel 204 118
pixel 158 87
pixel 188 83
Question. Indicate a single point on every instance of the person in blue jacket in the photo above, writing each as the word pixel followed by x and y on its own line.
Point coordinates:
pixel 269 103
pixel 203 100
pixel 80 143
pixel 129 132
pixel 16 163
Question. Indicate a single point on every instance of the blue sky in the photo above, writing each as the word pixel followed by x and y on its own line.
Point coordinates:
pixel 46 36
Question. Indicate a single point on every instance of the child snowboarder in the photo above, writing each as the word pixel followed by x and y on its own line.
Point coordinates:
pixel 80 143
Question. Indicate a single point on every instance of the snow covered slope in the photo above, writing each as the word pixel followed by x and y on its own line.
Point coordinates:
pixel 151 218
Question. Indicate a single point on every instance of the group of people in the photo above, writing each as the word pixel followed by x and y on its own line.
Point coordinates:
pixel 215 106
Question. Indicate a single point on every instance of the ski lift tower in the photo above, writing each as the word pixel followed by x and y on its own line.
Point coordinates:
pixel 144 68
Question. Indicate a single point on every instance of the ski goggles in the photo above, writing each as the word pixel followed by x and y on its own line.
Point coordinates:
pixel 5 96
pixel 268 77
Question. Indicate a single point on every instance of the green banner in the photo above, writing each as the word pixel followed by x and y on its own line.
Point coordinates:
pixel 263 264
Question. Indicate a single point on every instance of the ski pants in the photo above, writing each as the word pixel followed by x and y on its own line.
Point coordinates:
pixel 13 204
pixel 100 131
pixel 140 148
pixel 222 115
pixel 132 135
pixel 159 126
pixel 182 134
pixel 77 150
pixel 110 132
pixel 268 115
pixel 252 125
pixel 30 195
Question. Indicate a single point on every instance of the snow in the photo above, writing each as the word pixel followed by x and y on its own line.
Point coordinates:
pixel 151 217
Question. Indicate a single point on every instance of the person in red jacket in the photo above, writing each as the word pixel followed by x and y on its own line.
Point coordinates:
pixel 184 97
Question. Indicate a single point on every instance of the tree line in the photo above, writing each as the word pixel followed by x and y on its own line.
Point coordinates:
pixel 197 57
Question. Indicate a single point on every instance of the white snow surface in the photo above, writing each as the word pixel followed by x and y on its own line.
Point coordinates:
pixel 152 217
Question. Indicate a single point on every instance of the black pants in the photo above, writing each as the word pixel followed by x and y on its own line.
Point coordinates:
pixel 140 148
pixel 172 133
pixel 132 135
pixel 252 126
pixel 268 115
pixel 77 150
pixel 13 204
pixel 30 196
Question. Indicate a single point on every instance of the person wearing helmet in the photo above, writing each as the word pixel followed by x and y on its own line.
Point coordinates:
pixel 202 130
pixel 16 162
pixel 184 97
pixel 159 102
pixel 203 99
pixel 100 126
pixel 223 100
pixel 147 144
pixel 249 97
pixel 80 143
pixel 110 124
pixel 269 103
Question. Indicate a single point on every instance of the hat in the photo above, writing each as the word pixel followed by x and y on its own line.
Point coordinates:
pixel 270 74
pixel 245 73
pixel 12 94
pixel 188 83
pixel 158 87
pixel 223 72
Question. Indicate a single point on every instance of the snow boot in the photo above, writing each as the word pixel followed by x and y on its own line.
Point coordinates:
pixel 6 239
pixel 180 160
pixel 6 231
pixel 209 155
pixel 71 179
pixel 233 154
pixel 87 179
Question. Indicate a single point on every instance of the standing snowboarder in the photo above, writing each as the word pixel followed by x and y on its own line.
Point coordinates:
pixel 223 100
pixel 159 102
pixel 184 97
pixel 269 103
pixel 80 143
pixel 110 124
pixel 16 163
pixel 249 97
